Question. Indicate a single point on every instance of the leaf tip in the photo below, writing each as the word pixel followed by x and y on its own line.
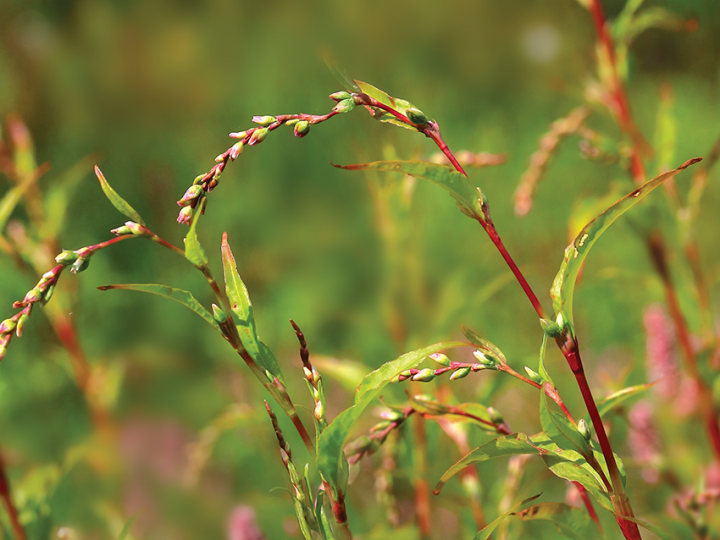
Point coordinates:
pixel 690 162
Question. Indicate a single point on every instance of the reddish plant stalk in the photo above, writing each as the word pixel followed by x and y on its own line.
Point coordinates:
pixel 422 489
pixel 17 527
pixel 707 409
pixel 589 505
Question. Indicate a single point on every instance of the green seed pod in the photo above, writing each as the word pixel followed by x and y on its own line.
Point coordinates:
pixel 339 96
pixel 460 373
pixel 301 128
pixel 441 359
pixel 264 120
pixel 584 429
pixel 416 116
pixel 66 258
pixel 345 106
pixel 424 375
pixel 495 416
pixel 534 376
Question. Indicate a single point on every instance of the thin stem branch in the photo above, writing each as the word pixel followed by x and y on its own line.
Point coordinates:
pixel 5 493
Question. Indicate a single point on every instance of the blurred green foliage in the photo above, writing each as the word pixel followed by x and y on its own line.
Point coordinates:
pixel 149 90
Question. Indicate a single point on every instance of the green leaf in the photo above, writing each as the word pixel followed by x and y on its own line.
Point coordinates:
pixel 571 522
pixel 541 365
pixel 617 398
pixel 652 528
pixel 245 321
pixel 564 285
pixel 13 196
pixel 468 197
pixel 485 533
pixel 183 297
pixel 574 468
pixel 483 344
pixel 330 444
pixel 128 525
pixel 561 430
pixel 400 105
pixel 117 201
pixel 194 252
pixel 509 445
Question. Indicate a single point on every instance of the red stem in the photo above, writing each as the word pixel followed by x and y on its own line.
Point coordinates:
pixel 589 505
pixel 17 527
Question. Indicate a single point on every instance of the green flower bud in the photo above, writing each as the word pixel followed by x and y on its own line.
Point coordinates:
pixel 236 150
pixel 550 328
pixel 32 296
pixel 416 116
pixel 199 179
pixel 121 231
pixel 584 429
pixel 392 416
pixel 257 136
pixel 7 326
pixel 185 215
pixel 485 360
pixel 345 106
pixel 219 314
pixel 66 258
pixel 21 324
pixel 406 373
pixel 48 294
pixel 238 134
pixel 264 120
pixel 424 375
pixel 495 416
pixel 339 96
pixel 319 411
pixel 301 128
pixel 460 373
pixel 380 426
pixel 441 359
pixel 80 265
pixel 292 122
pixel 534 376
pixel 192 193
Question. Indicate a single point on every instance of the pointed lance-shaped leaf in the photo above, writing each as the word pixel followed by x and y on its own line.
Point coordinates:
pixel 467 196
pixel 485 533
pixel 564 285
pixel 194 252
pixel 330 457
pixel 117 201
pixel 183 297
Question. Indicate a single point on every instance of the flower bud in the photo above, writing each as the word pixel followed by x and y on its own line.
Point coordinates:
pixel 66 258
pixel 7 326
pixel 534 376
pixel 80 265
pixel 199 179
pixel 192 193
pixel 345 106
pixel 219 314
pixel 485 360
pixel 424 375
pixel 416 116
pixel 339 96
pixel 391 415
pixel 584 429
pixel 359 445
pixel 48 294
pixel 380 426
pixel 460 373
pixel 121 231
pixel 495 416
pixel 236 150
pixel 32 296
pixel 21 324
pixel 319 410
pixel 292 122
pixel 257 136
pixel 301 128
pixel 238 134
pixel 441 359
pixel 264 120
pixel 550 328
pixel 185 215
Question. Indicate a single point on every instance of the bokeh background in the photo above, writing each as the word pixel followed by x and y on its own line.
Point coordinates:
pixel 150 90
